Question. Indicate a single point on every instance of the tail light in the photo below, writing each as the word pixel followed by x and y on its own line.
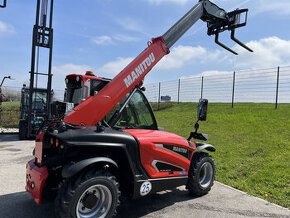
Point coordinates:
pixel 54 142
pixel 39 148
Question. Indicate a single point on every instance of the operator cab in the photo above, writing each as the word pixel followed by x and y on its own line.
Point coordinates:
pixel 38 113
pixel 39 96
pixel 137 113
pixel 80 87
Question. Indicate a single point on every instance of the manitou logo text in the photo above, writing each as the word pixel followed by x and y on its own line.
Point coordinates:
pixel 139 70
pixel 182 150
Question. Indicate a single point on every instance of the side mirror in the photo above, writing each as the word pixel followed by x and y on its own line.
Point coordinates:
pixel 202 110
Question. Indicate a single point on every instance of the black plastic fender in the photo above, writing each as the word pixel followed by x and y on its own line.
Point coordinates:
pixel 202 146
pixel 72 169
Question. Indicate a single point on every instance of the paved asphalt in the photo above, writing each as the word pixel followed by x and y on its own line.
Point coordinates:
pixel 222 201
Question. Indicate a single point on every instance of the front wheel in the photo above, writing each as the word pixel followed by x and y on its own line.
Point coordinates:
pixel 201 174
pixel 93 194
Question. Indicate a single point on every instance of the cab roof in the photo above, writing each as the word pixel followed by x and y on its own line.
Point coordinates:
pixel 86 77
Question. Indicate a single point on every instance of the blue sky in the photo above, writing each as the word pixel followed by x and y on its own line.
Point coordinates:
pixel 105 35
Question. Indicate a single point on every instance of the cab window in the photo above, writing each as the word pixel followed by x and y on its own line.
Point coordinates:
pixel 137 114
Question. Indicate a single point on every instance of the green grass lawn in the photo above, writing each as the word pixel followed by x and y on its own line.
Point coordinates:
pixel 252 142
pixel 10 114
pixel 13 105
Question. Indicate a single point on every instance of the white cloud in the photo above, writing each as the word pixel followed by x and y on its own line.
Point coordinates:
pixel 211 73
pixel 125 38
pixel 70 69
pixel 231 4
pixel 179 56
pixel 183 55
pixel 268 52
pixel 216 73
pixel 111 40
pixel 60 72
pixel 169 1
pixel 115 67
pixel 130 24
pixel 6 28
pixel 102 40
pixel 281 7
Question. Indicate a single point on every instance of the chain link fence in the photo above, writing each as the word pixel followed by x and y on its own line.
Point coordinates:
pixel 257 86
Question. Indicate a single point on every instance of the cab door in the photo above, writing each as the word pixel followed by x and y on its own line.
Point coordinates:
pixel 162 154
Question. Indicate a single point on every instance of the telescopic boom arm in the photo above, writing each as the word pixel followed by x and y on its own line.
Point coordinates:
pixel 95 108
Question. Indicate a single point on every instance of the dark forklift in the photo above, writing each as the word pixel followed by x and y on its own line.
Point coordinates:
pixel 37 115
pixel 35 101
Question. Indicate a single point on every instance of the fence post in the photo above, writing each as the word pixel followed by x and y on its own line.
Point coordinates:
pixel 158 103
pixel 277 88
pixel 178 92
pixel 201 88
pixel 233 94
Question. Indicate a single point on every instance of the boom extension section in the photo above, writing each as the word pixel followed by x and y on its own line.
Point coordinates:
pixel 95 108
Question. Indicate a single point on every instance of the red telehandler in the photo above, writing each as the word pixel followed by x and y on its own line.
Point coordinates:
pixel 109 143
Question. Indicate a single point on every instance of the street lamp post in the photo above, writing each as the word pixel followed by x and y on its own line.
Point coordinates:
pixel 3 5
pixel 5 77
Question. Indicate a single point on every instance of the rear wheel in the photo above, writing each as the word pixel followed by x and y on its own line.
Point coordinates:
pixel 201 174
pixel 92 194
pixel 22 130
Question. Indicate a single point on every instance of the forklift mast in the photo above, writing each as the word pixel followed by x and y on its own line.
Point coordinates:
pixel 94 109
pixel 42 38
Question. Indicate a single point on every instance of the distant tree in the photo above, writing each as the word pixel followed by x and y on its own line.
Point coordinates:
pixel 11 94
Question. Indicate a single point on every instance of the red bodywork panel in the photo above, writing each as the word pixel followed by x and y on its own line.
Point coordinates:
pixel 95 108
pixel 35 180
pixel 150 152
pixel 84 77
pixel 38 147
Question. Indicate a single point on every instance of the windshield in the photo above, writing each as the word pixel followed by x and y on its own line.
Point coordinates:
pixel 136 115
pixel 76 91
pixel 38 99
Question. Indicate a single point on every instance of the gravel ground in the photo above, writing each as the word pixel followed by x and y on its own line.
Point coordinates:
pixel 222 201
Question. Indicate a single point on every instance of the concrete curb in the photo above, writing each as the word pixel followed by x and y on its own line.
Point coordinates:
pixel 244 193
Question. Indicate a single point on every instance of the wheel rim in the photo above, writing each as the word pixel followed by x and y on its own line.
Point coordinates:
pixel 96 201
pixel 205 174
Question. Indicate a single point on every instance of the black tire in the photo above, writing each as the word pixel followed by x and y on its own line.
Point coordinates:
pixel 49 194
pixel 88 187
pixel 22 130
pixel 201 174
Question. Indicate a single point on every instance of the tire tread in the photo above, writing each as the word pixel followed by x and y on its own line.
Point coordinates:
pixel 67 189
pixel 193 184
